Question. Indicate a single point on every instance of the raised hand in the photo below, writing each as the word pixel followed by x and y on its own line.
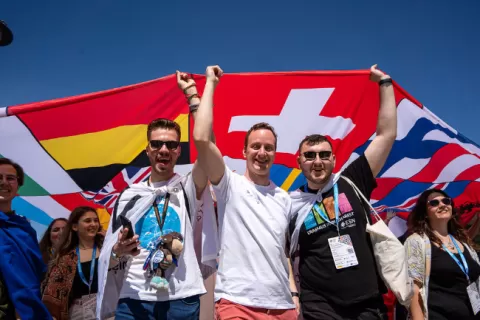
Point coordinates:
pixel 377 75
pixel 185 82
pixel 214 74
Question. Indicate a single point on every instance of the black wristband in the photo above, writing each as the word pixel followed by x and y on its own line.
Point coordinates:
pixel 294 294
pixel 383 81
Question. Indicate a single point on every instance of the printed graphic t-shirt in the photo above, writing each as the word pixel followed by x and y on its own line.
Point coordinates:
pixel 319 278
pixel 186 279
pixel 253 221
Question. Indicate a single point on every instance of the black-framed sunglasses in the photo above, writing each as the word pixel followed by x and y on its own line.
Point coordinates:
pixel 158 144
pixel 312 155
pixel 436 202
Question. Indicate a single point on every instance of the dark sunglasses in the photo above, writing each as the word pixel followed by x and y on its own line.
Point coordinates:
pixel 158 144
pixel 436 202
pixel 312 155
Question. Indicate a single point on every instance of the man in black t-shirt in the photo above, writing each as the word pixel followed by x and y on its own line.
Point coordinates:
pixel 328 221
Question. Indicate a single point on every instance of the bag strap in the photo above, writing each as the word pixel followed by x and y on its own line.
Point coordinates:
pixel 362 197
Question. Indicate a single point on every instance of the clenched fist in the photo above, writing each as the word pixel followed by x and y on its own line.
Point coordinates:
pixel 213 74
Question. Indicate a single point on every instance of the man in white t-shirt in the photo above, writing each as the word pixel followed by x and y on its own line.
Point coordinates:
pixel 165 204
pixel 254 279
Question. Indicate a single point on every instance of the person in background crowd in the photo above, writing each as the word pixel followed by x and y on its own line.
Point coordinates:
pixel 441 261
pixel 142 289
pixel 71 284
pixel 21 264
pixel 254 279
pixel 51 237
pixel 328 216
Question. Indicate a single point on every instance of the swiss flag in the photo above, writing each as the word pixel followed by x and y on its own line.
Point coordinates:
pixel 341 105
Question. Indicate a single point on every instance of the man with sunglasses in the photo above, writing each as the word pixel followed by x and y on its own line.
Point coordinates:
pixel 21 266
pixel 165 204
pixel 338 276
pixel 254 279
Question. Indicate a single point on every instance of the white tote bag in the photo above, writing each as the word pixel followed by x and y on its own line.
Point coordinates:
pixel 389 254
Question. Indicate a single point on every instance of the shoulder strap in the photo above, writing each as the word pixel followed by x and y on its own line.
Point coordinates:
pixel 362 197
pixel 187 204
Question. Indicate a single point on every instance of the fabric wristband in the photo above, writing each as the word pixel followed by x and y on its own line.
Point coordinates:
pixel 383 81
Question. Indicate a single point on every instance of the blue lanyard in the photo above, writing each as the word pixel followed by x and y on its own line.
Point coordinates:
pixel 92 267
pixel 464 267
pixel 335 203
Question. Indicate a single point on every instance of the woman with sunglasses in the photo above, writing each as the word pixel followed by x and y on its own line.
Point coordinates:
pixel 71 285
pixel 441 262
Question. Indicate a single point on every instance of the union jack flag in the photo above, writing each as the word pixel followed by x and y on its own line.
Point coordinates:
pixel 108 195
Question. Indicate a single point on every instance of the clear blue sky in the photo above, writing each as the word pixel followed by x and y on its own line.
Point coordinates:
pixel 63 48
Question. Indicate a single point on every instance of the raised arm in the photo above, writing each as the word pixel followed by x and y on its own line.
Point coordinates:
pixel 209 156
pixel 378 150
pixel 189 88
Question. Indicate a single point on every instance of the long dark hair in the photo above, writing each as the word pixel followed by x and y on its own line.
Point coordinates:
pixel 418 220
pixel 46 242
pixel 69 240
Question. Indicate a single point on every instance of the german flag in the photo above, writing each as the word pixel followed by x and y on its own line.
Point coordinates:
pixel 93 137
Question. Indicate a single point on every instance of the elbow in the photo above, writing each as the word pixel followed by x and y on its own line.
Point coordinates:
pixel 388 135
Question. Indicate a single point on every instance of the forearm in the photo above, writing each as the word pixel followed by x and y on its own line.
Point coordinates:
pixel 387 115
pixel 291 277
pixel 416 308
pixel 204 116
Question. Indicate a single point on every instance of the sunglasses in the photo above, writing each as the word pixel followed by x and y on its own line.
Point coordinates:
pixel 436 202
pixel 312 155
pixel 158 144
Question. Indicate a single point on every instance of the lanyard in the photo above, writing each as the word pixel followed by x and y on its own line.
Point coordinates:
pixel 335 203
pixel 92 267
pixel 464 267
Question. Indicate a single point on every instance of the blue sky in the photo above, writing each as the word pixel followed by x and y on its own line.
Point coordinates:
pixel 63 48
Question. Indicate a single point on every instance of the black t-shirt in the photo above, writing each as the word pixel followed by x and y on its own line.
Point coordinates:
pixel 319 278
pixel 79 288
pixel 447 290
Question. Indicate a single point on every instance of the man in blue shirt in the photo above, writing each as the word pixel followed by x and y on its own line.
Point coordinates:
pixel 21 266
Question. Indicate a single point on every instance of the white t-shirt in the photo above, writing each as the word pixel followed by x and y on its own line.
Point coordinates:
pixel 253 268
pixel 186 279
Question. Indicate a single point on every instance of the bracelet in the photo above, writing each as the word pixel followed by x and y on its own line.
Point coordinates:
pixel 190 97
pixel 193 107
pixel 114 256
pixel 383 81
pixel 295 294
pixel 190 86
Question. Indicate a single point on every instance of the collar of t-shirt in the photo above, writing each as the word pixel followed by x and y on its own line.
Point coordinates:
pixel 160 184
pixel 306 188
pixel 261 188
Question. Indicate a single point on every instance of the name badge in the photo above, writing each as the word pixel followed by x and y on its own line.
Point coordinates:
pixel 342 252
pixel 474 297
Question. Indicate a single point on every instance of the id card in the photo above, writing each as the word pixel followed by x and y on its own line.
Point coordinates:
pixel 342 252
pixel 474 297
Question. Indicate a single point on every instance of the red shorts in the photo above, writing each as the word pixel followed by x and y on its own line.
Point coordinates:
pixel 226 310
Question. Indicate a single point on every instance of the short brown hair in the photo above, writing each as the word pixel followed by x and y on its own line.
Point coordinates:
pixel 17 167
pixel 259 126
pixel 163 123
pixel 314 139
